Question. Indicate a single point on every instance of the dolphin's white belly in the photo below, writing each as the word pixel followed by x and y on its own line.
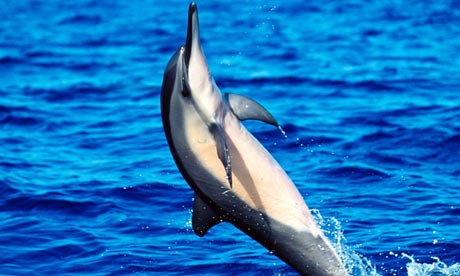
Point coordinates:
pixel 261 181
pixel 257 178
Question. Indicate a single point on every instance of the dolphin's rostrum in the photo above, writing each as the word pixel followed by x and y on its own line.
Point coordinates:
pixel 233 176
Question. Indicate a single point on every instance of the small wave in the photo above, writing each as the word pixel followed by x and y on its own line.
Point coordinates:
pixel 368 85
pixel 52 203
pixel 81 65
pixel 6 188
pixel 20 121
pixel 376 136
pixel 22 117
pixel 9 60
pixel 36 53
pixel 366 120
pixel 80 19
pixel 73 91
pixel 374 86
pixel 455 140
pixel 355 172
pixel 372 32
pixel 395 160
pixel 224 82
pixel 412 111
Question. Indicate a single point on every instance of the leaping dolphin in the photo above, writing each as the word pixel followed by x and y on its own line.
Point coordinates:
pixel 235 179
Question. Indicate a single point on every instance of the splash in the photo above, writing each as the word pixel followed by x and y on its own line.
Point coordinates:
pixel 355 263
pixel 359 265
pixel 438 268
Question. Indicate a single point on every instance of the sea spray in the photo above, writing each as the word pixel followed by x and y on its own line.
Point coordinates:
pixel 438 268
pixel 355 263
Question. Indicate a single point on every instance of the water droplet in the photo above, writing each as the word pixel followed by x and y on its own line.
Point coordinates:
pixel 283 132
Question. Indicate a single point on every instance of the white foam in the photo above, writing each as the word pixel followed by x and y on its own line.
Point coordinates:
pixel 359 265
pixel 437 268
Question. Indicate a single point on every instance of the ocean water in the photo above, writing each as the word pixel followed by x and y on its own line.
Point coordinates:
pixel 367 92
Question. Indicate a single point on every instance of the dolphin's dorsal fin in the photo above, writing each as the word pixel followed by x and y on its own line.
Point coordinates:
pixel 204 216
pixel 247 109
pixel 222 149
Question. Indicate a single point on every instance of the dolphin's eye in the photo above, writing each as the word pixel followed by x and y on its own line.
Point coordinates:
pixel 185 92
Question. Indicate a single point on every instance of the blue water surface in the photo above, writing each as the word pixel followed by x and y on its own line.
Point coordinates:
pixel 367 92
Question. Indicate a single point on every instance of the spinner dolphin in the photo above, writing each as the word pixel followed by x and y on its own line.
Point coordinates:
pixel 235 179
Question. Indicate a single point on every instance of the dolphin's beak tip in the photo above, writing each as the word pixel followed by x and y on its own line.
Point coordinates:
pixel 192 17
pixel 192 8
pixel 192 30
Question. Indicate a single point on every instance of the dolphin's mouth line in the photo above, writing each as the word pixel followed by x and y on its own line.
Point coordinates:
pixel 186 89
pixel 187 55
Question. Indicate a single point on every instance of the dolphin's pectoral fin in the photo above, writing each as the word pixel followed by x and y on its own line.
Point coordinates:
pixel 204 216
pixel 222 149
pixel 247 109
